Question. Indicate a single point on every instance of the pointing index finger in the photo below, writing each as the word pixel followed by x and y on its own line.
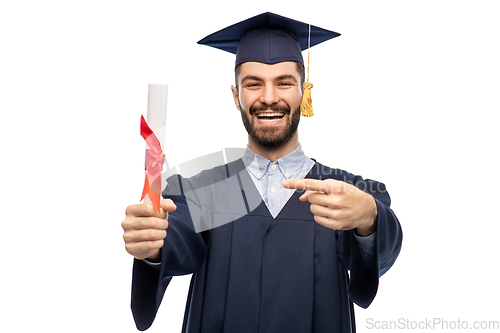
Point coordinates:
pixel 326 186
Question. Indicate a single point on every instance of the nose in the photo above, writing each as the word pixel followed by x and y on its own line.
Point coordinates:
pixel 269 95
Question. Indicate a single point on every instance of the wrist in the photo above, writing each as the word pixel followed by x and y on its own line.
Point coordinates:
pixel 366 231
pixel 155 258
pixel 371 226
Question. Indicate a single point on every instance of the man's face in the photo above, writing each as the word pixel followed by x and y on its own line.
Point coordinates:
pixel 269 101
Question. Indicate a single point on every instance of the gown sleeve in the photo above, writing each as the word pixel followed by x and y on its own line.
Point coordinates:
pixel 364 277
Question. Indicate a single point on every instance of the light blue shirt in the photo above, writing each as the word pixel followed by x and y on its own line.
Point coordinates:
pixel 268 176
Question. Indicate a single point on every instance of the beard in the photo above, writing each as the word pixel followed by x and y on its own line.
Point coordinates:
pixel 270 137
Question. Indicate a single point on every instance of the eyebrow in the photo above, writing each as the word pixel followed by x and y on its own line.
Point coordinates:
pixel 251 77
pixel 286 77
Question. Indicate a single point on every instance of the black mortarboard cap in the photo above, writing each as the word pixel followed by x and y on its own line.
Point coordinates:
pixel 267 38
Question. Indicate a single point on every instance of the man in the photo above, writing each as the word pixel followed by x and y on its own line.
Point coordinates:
pixel 281 265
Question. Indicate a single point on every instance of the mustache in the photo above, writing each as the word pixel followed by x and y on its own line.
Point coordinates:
pixel 273 107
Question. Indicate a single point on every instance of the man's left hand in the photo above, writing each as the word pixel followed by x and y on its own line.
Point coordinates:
pixel 338 205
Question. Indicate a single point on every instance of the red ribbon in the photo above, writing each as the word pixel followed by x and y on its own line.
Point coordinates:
pixel 154 165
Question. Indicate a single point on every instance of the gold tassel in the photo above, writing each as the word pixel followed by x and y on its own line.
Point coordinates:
pixel 306 103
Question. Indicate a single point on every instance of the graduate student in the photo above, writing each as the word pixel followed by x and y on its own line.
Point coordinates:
pixel 276 241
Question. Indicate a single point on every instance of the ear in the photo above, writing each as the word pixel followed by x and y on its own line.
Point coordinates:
pixel 236 97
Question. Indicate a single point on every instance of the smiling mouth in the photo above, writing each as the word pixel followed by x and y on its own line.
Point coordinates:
pixel 270 116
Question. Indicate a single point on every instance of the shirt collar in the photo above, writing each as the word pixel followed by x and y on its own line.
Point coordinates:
pixel 288 164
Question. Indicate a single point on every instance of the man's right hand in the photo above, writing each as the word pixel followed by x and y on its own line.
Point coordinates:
pixel 145 229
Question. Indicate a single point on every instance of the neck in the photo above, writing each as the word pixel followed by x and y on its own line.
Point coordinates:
pixel 273 154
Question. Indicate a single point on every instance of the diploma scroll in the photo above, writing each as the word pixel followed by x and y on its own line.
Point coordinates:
pixel 154 133
pixel 157 110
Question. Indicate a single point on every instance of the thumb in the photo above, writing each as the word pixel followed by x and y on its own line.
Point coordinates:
pixel 305 196
pixel 167 205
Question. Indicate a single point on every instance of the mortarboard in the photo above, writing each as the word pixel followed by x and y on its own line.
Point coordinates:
pixel 270 38
pixel 267 38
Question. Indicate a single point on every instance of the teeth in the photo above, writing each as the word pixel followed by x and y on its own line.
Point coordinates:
pixel 271 114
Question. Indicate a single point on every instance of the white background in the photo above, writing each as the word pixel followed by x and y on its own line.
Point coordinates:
pixel 408 95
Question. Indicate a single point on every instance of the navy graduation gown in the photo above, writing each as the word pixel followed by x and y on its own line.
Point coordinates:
pixel 260 274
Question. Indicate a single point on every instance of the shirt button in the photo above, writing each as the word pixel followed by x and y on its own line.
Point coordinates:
pixel 273 166
pixel 259 174
pixel 273 190
pixel 287 175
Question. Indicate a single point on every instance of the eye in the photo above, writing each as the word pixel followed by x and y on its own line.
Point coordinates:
pixel 252 85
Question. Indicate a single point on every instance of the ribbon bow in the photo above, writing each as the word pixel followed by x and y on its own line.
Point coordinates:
pixel 154 165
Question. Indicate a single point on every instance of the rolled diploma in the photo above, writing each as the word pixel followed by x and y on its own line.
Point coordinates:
pixel 157 116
